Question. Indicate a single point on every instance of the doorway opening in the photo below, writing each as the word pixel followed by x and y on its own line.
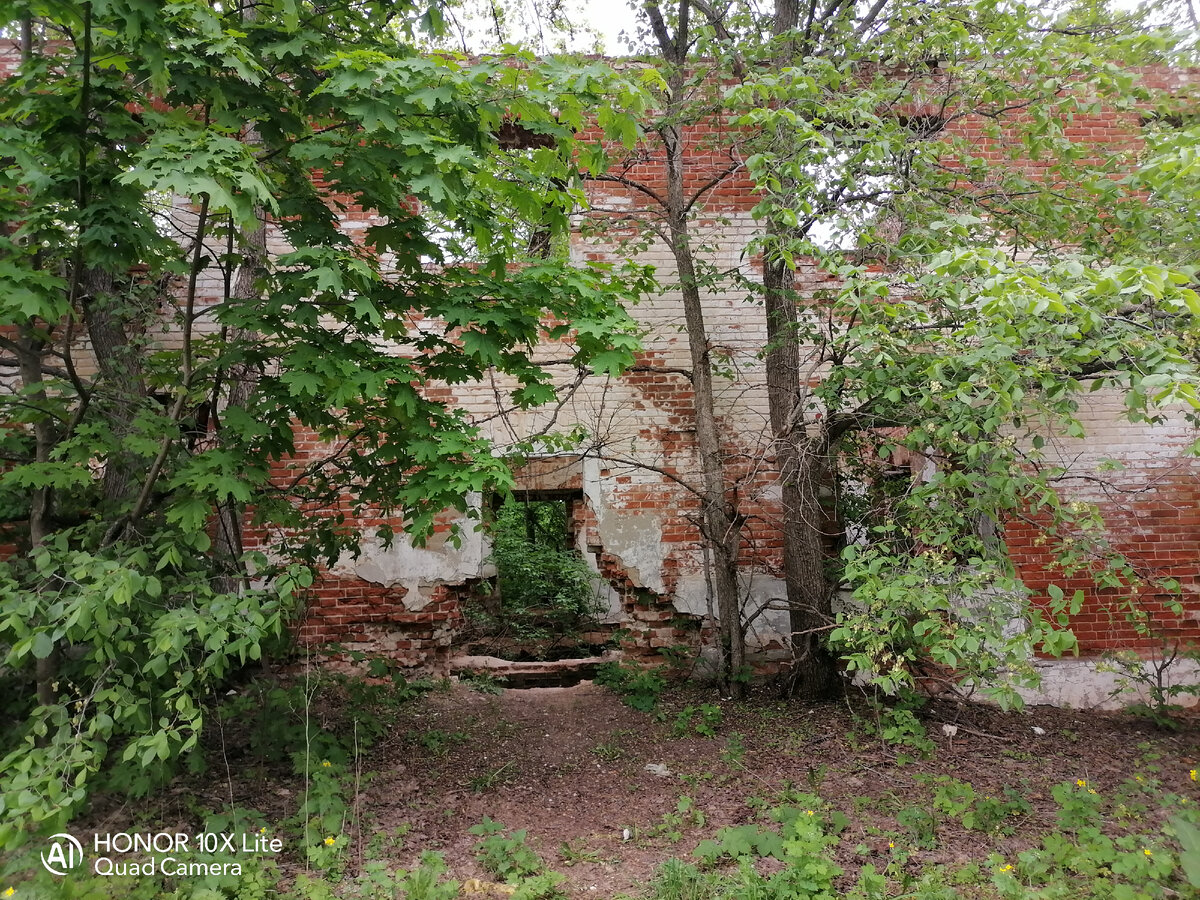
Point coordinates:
pixel 544 601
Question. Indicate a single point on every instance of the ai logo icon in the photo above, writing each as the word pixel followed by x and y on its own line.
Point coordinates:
pixel 65 853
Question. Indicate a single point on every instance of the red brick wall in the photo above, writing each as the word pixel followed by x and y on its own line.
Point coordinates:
pixel 1157 526
pixel 1157 530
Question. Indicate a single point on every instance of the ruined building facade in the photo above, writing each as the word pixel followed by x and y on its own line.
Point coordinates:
pixel 633 519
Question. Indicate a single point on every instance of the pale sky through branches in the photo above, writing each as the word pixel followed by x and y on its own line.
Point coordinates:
pixel 596 26
pixel 544 26
pixel 609 18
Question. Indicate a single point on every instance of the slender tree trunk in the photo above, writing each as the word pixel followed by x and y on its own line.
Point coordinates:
pixel 30 347
pixel 30 360
pixel 242 380
pixel 720 523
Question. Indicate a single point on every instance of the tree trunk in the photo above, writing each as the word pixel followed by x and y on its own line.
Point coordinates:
pixel 720 524
pixel 30 360
pixel 799 458
pixel 242 380
pixel 30 349
pixel 121 379
pixel 814 670
pixel 241 377
pixel 801 463
pixel 721 528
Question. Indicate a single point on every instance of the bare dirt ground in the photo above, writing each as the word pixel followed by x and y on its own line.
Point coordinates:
pixel 569 765
pixel 598 786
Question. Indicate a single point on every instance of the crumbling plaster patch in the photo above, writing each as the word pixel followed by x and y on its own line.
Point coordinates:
pixel 757 591
pixel 608 598
pixel 1090 684
pixel 692 597
pixel 419 570
pixel 634 538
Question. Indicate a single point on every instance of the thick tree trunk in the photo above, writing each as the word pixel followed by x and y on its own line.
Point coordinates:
pixel 801 463
pixel 120 379
pixel 800 459
pixel 814 670
pixel 120 368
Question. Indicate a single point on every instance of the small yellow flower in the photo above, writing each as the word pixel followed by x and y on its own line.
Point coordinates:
pixel 1081 782
pixel 326 763
pixel 263 830
pixel 10 891
pixel 1007 868
pixel 1146 850
pixel 808 812
pixel 329 842
pixel 892 844
pixel 1090 791
pixel 1138 778
pixel 1192 774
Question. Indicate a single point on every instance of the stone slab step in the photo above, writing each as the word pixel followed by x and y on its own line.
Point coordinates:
pixel 556 673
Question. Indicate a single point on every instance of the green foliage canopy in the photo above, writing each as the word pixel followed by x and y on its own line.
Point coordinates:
pixel 180 302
